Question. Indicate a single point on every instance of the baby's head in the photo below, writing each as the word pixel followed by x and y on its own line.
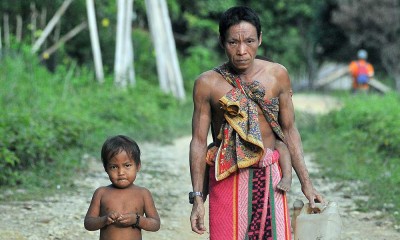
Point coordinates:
pixel 117 144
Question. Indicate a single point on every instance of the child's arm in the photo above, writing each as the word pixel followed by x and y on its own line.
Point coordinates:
pixel 286 166
pixel 93 220
pixel 283 151
pixel 151 220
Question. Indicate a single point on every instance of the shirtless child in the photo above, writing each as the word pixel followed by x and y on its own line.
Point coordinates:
pixel 121 210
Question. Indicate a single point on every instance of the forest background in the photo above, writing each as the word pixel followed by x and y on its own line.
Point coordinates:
pixel 53 111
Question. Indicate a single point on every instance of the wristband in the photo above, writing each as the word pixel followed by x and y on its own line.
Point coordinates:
pixel 192 195
pixel 136 225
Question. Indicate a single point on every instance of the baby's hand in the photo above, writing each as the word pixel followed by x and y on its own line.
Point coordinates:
pixel 127 219
pixel 112 217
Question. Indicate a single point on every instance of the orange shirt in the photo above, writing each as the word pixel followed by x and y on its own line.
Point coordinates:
pixel 353 68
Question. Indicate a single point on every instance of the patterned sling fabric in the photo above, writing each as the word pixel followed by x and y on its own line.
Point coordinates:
pixel 240 135
pixel 256 93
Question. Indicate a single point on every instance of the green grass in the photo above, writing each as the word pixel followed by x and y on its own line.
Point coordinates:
pixel 49 120
pixel 360 142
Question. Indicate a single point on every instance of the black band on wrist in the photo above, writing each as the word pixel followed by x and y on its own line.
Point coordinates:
pixel 136 225
pixel 192 195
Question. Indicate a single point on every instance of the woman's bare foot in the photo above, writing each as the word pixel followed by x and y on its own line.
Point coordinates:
pixel 285 184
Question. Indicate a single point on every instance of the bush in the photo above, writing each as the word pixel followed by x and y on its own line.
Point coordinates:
pixel 51 120
pixel 199 60
pixel 360 142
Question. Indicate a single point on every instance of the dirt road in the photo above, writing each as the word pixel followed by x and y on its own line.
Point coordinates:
pixel 165 171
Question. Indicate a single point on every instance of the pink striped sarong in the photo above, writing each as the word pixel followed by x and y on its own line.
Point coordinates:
pixel 247 204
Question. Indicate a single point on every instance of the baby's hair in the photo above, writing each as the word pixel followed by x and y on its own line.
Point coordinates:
pixel 116 144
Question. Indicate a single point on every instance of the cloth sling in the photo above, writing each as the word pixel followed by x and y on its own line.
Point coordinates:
pixel 240 135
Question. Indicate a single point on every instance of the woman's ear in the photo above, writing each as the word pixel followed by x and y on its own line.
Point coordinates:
pixel 260 39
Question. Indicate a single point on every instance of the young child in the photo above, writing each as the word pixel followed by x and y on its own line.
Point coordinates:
pixel 121 210
pixel 286 166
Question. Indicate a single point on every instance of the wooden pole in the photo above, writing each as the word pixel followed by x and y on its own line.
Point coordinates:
pixel 379 85
pixel 331 77
pixel 344 71
pixel 51 25
pixel 94 38
pixel 64 39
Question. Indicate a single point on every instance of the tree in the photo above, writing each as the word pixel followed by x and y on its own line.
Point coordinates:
pixel 168 69
pixel 94 38
pixel 288 34
pixel 123 65
pixel 373 25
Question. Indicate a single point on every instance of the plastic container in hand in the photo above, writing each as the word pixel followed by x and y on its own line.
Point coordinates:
pixel 320 223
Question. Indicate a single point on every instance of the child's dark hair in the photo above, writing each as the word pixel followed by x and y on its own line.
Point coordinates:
pixel 116 144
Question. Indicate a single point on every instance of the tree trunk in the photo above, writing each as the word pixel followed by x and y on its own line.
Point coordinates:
pixel 397 81
pixel 6 31
pixel 57 30
pixel 174 69
pixel 168 69
pixel 128 45
pixel 153 15
pixel 18 33
pixel 118 64
pixel 64 39
pixel 1 44
pixel 42 25
pixel 43 17
pixel 34 16
pixel 51 25
pixel 94 38
pixel 123 66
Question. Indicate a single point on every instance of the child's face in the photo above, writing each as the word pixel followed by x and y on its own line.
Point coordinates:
pixel 122 170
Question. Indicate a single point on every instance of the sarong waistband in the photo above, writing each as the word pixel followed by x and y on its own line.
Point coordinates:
pixel 270 157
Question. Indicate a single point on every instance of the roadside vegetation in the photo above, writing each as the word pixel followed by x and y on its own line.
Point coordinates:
pixel 50 120
pixel 360 143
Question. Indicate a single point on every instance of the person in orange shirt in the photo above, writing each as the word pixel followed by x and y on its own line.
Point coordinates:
pixel 361 72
